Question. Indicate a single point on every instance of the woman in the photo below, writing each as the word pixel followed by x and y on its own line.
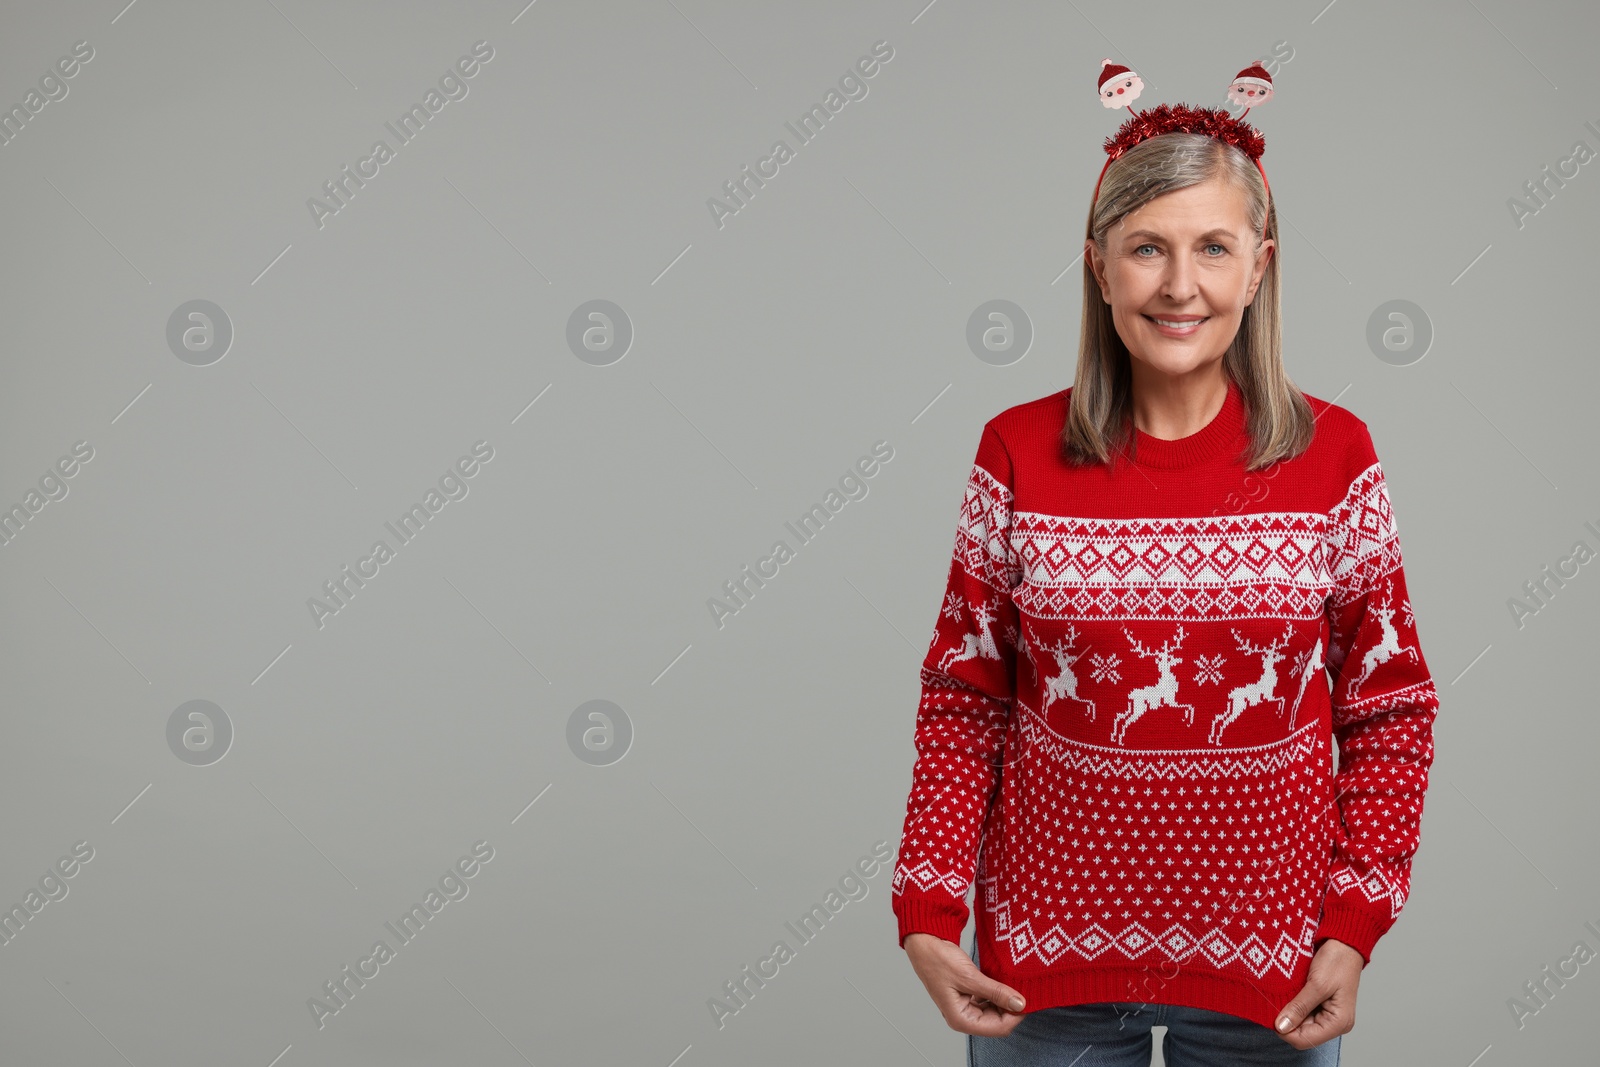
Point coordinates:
pixel 1127 698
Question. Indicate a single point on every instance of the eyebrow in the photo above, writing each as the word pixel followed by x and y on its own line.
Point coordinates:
pixel 1208 235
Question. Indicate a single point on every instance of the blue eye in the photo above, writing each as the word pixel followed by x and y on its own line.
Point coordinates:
pixel 1213 244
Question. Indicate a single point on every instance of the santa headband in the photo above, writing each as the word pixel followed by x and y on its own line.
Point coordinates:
pixel 1120 87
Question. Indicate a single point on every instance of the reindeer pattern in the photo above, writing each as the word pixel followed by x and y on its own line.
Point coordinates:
pixel 1089 642
pixel 1174 691
pixel 1388 645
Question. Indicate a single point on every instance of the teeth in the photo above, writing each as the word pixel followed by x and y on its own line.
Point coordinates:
pixel 1179 325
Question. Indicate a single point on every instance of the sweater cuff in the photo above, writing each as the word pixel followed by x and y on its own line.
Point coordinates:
pixel 1356 926
pixel 920 915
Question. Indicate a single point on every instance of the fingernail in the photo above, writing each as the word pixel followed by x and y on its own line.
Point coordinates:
pixel 1283 1024
pixel 1016 1003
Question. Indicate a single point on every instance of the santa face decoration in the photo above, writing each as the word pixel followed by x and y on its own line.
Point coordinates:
pixel 1121 91
pixel 1249 92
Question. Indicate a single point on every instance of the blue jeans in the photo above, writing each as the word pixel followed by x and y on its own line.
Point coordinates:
pixel 1118 1035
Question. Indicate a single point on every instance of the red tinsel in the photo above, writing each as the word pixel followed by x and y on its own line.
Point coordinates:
pixel 1181 118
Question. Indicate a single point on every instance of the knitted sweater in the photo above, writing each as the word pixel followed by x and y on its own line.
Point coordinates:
pixel 1127 701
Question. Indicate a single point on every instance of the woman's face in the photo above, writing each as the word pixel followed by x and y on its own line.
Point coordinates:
pixel 1186 256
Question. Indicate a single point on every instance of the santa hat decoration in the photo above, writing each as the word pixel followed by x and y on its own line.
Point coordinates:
pixel 1252 88
pixel 1119 86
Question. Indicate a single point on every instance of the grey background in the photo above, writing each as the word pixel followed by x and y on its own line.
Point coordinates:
pixel 767 756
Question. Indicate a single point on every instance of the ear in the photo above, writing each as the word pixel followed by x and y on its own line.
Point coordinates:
pixel 1091 256
pixel 1269 248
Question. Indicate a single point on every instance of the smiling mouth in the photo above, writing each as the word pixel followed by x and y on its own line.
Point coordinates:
pixel 1172 324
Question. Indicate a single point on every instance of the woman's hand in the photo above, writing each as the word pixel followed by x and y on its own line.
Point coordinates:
pixel 1326 1005
pixel 969 1001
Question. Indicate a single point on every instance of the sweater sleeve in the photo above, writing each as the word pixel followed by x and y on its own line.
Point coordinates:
pixel 967 685
pixel 1384 703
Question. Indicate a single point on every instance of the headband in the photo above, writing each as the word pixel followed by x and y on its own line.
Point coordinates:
pixel 1120 87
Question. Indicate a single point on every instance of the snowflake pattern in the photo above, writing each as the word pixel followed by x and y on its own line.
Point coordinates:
pixel 1208 669
pixel 1106 667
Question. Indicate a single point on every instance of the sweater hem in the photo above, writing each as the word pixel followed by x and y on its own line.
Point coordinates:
pixel 1258 1001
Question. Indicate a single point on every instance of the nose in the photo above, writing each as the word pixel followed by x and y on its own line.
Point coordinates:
pixel 1119 92
pixel 1178 284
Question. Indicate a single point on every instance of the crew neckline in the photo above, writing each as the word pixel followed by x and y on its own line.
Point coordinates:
pixel 1199 446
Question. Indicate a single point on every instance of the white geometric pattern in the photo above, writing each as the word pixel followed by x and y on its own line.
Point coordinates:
pixel 1363 539
pixel 1176 943
pixel 1267 563
pixel 1345 877
pixel 925 876
pixel 980 535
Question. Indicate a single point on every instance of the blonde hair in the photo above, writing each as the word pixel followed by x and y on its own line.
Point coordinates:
pixel 1100 414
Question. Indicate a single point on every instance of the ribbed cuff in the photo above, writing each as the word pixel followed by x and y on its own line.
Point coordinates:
pixel 1352 924
pixel 919 914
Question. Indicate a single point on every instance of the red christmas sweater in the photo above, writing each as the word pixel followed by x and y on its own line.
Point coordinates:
pixel 1131 699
